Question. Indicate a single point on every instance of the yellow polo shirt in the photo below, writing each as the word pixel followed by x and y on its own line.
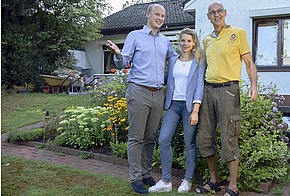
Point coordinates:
pixel 224 54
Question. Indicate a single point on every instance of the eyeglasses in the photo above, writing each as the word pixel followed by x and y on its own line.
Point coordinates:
pixel 219 11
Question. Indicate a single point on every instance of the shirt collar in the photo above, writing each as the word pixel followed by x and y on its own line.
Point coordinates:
pixel 224 27
pixel 147 30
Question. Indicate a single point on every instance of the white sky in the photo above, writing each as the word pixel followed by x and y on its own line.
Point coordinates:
pixel 117 4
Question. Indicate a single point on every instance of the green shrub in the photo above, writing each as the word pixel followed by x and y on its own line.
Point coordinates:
pixel 119 149
pixel 26 135
pixel 84 127
pixel 115 87
pixel 62 139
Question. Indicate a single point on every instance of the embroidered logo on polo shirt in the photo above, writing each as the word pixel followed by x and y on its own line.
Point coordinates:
pixel 233 37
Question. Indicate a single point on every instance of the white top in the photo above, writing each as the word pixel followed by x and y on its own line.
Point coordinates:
pixel 180 75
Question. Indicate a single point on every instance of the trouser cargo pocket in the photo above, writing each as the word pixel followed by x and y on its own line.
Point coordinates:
pixel 234 125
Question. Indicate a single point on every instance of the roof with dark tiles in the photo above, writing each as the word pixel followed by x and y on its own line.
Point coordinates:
pixel 134 17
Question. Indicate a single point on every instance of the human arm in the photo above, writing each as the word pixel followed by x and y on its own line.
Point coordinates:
pixel 122 59
pixel 193 118
pixel 198 94
pixel 252 74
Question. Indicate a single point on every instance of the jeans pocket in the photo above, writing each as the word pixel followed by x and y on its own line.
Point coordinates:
pixel 234 125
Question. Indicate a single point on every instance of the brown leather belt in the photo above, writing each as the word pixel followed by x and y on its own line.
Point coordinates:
pixel 216 85
pixel 149 88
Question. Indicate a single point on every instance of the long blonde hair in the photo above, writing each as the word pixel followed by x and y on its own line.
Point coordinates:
pixel 196 51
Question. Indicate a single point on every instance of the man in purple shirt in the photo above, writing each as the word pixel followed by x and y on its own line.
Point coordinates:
pixel 147 50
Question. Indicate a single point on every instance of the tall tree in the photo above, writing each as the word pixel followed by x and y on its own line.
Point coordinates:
pixel 38 34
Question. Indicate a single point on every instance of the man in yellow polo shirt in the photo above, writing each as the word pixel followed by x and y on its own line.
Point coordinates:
pixel 225 48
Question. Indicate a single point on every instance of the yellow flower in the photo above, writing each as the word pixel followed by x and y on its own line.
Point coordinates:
pixel 106 104
pixel 127 128
pixel 123 120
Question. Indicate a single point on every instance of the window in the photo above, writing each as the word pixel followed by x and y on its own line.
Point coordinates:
pixel 271 44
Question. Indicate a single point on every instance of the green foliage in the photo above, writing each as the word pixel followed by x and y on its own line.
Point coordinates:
pixel 88 127
pixel 156 160
pixel 84 127
pixel 86 155
pixel 115 86
pixel 37 36
pixel 25 135
pixel 119 149
pixel 62 139
pixel 262 158
pixel 277 191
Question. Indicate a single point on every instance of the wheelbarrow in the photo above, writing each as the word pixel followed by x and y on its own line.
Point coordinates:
pixel 55 84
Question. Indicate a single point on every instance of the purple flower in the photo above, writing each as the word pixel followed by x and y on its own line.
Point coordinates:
pixel 285 125
pixel 280 126
pixel 286 139
pixel 272 128
pixel 266 116
pixel 272 114
pixel 265 121
pixel 274 103
pixel 275 109
pixel 275 120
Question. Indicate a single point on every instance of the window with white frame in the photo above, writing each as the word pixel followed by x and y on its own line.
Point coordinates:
pixel 271 44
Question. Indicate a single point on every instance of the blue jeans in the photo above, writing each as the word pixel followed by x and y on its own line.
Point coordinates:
pixel 173 116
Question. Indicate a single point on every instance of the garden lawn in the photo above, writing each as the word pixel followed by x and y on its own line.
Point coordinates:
pixel 26 177
pixel 18 110
pixel 20 176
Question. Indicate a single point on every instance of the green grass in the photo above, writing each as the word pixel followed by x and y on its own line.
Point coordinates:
pixel 18 110
pixel 26 177
pixel 20 176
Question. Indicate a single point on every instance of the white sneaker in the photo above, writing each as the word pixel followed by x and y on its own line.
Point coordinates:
pixel 160 186
pixel 184 187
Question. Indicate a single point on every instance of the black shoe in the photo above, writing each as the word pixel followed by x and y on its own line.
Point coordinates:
pixel 149 181
pixel 139 187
